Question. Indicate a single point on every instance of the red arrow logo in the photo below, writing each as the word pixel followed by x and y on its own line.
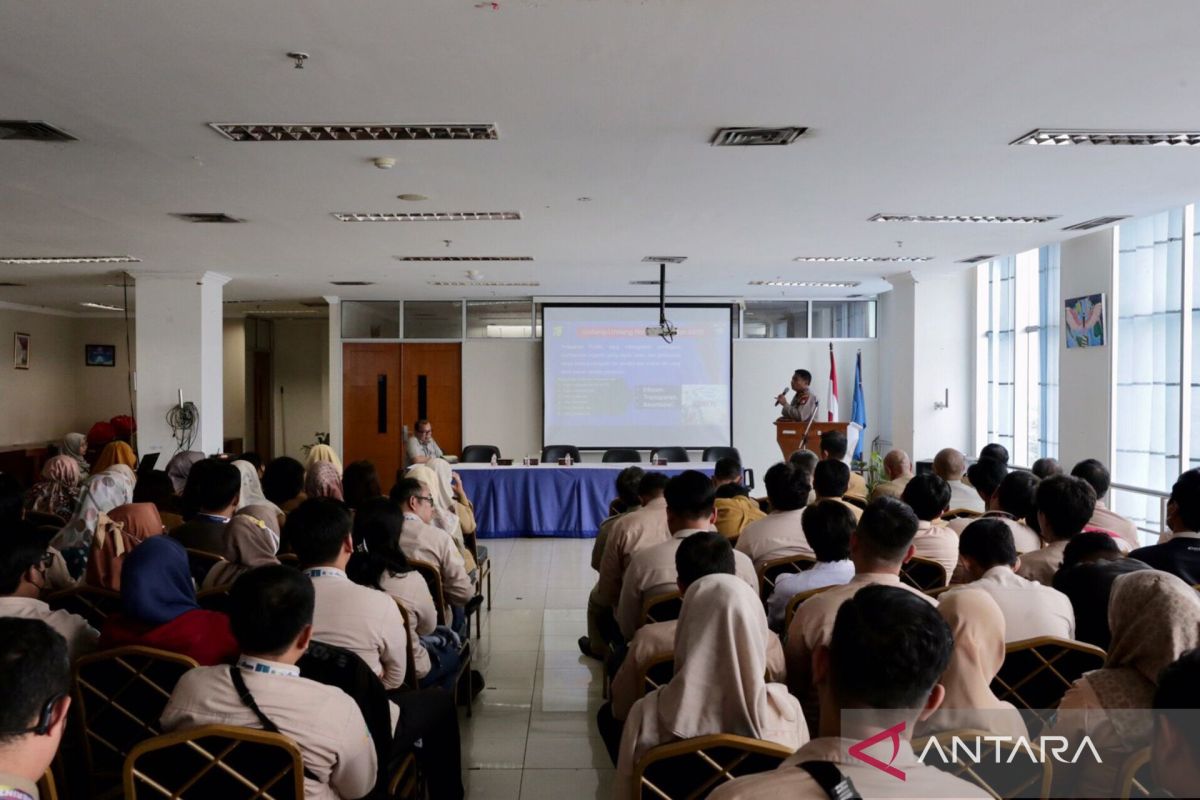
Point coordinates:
pixel 892 733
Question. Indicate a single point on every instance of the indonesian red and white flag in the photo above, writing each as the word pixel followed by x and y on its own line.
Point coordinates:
pixel 831 405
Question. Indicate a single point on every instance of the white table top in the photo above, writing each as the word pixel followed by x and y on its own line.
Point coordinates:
pixel 681 465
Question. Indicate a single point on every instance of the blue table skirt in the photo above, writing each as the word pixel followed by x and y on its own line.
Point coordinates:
pixel 546 500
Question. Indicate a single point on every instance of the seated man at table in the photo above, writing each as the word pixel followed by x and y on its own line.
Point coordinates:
pixel 735 508
pixel 421 446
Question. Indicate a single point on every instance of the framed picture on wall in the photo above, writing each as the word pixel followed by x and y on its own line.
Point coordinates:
pixel 21 342
pixel 100 355
pixel 1085 321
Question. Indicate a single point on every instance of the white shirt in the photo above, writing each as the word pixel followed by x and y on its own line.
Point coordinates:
pixel 365 621
pixel 823 573
pixel 81 637
pixel 1030 609
pixel 963 496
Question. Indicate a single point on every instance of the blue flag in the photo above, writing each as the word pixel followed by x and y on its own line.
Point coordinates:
pixel 859 414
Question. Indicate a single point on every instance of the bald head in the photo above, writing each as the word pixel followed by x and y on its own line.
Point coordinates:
pixel 949 464
pixel 897 464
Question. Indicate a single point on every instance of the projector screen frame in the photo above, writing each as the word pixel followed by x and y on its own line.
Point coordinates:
pixel 730 307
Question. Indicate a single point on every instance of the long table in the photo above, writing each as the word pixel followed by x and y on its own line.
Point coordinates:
pixel 547 500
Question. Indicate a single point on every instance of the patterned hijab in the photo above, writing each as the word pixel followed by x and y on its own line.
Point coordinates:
pixel 116 453
pixel 104 492
pixel 180 465
pixel 323 479
pixel 59 489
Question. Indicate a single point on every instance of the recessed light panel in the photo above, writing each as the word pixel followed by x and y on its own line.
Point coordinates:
pixel 1053 137
pixel 664 259
pixel 757 137
pixel 352 283
pixel 1098 222
pixel 809 284
pixel 102 306
pixel 862 259
pixel 206 217
pixel 976 259
pixel 32 131
pixel 349 132
pixel 464 258
pixel 978 218
pixel 427 216
pixel 484 283
pixel 70 260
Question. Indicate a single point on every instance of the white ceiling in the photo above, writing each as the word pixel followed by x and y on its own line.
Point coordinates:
pixel 910 107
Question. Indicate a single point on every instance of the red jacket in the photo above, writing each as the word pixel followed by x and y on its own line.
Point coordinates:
pixel 199 634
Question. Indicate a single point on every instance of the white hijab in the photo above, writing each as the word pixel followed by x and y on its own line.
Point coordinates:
pixel 252 493
pixel 443 513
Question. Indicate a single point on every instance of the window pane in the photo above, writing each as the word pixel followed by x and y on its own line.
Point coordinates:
pixel 499 319
pixel 1043 359
pixel 845 319
pixel 776 320
pixel 1001 335
pixel 370 320
pixel 1194 452
pixel 428 319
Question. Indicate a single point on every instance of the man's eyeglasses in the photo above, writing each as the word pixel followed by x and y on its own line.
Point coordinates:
pixel 426 499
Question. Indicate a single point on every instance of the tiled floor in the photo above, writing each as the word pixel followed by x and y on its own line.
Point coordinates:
pixel 533 733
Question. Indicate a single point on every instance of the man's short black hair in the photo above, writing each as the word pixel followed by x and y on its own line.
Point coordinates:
pixel 833 444
pixel 1095 473
pixel 1067 503
pixel 996 451
pixel 886 529
pixel 21 546
pixel 927 495
pixel 986 475
pixel 803 375
pixel 1185 494
pixel 1090 546
pixel 653 483
pixel 12 498
pixel 211 485
pixel 316 530
pixel 34 668
pixel 805 460
pixel 422 421
pixel 831 478
pixel 283 480
pixel 628 480
pixel 727 469
pixel 989 542
pixel 269 606
pixel 888 649
pixel 1016 494
pixel 827 526
pixel 1045 467
pixel 360 483
pixel 690 494
pixel 406 489
pixel 703 553
pixel 787 486
pixel 1176 698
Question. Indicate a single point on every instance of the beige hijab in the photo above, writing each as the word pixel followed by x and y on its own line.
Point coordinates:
pixel 250 541
pixel 443 510
pixel 720 661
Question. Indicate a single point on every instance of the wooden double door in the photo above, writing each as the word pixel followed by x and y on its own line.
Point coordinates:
pixel 387 387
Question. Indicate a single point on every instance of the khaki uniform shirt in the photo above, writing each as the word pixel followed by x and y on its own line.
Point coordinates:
pixel 893 488
pixel 734 514
pixel 1040 565
pixel 855 510
pixel 364 621
pixel 1024 537
pixel 81 637
pixel 964 496
pixel 789 782
pixel 411 590
pixel 658 639
pixel 23 785
pixel 777 535
pixel 937 542
pixel 857 488
pixel 652 572
pixel 601 540
pixel 1030 609
pixel 1111 521
pixel 434 546
pixel 323 720
pixel 638 529
pixel 802 412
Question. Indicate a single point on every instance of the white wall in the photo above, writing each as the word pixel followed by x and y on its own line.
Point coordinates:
pixel 502 395
pixel 234 377
pixel 302 372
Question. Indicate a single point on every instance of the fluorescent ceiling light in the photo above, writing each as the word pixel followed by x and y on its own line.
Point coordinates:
pixel 756 137
pixel 349 132
pixel 425 216
pixel 1000 218
pixel 976 259
pixel 484 283
pixel 70 260
pixel 102 306
pixel 862 259
pixel 809 284
pixel 464 258
pixel 1054 137
pixel 664 259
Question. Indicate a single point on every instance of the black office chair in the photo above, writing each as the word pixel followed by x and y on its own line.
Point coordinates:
pixel 479 453
pixel 671 454
pixel 717 453
pixel 553 452
pixel 619 455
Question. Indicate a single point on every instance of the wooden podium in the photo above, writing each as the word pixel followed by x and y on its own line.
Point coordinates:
pixel 790 435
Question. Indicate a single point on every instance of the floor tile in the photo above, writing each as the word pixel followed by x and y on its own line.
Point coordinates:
pixel 493 784
pixel 566 751
pixel 555 784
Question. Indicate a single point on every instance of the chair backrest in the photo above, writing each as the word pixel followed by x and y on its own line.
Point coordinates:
pixel 1036 673
pixel 1137 779
pixel 857 502
pixel 216 761
pixel 717 453
pixel 923 573
pixel 479 453
pixel 47 786
pixel 119 696
pixel 693 768
pixel 40 518
pixel 433 578
pixel 214 598
pixel 795 602
pixel 662 607
pixel 960 513
pixel 200 562
pixel 553 452
pixel 1022 775
pixel 656 673
pixel 621 455
pixel 770 571
pixel 90 602
pixel 671 454
pixel 410 662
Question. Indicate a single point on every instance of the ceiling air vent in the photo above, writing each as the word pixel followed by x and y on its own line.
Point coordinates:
pixel 214 217
pixel 862 259
pixel 31 131
pixel 1098 222
pixel 426 216
pixel 349 132
pixel 353 283
pixel 464 258
pixel 975 259
pixel 809 284
pixel 1053 137
pixel 982 218
pixel 755 137
pixel 69 260
pixel 665 259
pixel 484 283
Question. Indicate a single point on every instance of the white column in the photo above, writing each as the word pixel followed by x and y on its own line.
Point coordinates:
pixel 335 373
pixel 179 349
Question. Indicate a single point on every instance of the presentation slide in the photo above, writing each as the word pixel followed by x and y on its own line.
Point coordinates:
pixel 608 384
